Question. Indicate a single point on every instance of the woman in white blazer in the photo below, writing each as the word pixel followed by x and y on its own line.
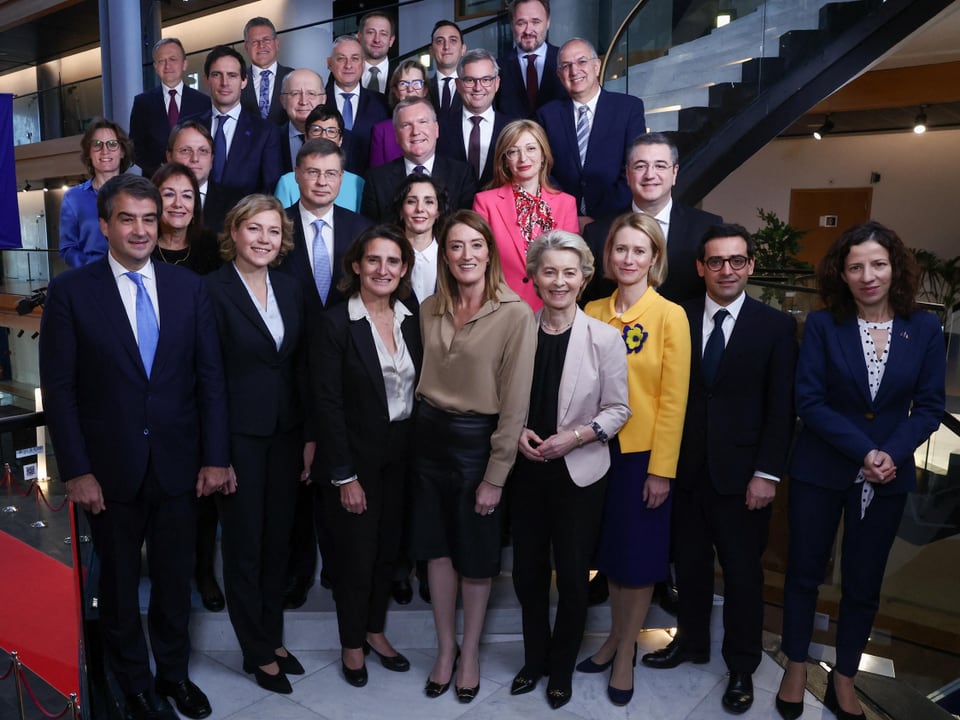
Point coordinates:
pixel 578 401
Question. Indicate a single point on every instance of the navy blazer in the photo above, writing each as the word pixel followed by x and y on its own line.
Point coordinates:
pixel 346 227
pixel 687 226
pixel 841 424
pixel 512 98
pixel 372 108
pixel 382 183
pixel 264 384
pixel 434 90
pixel 105 415
pixel 253 161
pixel 150 129
pixel 348 389
pixel 451 141
pixel 743 422
pixel 250 96
pixel 600 184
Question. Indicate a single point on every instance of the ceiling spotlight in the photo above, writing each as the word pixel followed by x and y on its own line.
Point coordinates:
pixel 920 124
pixel 823 129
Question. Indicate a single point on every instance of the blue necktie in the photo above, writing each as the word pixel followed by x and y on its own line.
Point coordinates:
pixel 264 93
pixel 148 331
pixel 713 351
pixel 219 148
pixel 321 261
pixel 583 132
pixel 347 110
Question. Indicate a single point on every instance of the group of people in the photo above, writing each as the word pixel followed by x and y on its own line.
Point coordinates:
pixel 392 365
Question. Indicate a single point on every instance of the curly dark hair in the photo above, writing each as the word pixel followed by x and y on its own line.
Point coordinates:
pixel 349 284
pixel 834 290
pixel 396 207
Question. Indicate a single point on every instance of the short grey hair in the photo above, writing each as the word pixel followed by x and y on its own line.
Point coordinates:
pixel 586 42
pixel 478 55
pixel 560 240
pixel 410 102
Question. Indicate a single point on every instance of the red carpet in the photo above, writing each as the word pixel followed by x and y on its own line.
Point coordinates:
pixel 38 614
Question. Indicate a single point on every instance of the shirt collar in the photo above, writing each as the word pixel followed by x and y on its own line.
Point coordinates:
pixel 487 114
pixel 119 270
pixel 255 71
pixel 428 164
pixel 233 112
pixel 710 306
pixel 358 311
pixel 307 217
pixel 662 217
pixel 540 52
pixel 178 87
pixel 591 104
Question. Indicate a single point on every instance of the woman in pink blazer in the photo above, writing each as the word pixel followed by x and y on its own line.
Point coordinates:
pixel 522 203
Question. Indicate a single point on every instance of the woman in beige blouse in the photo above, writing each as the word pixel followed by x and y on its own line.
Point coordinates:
pixel 479 340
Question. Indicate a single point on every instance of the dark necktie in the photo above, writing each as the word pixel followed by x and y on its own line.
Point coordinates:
pixel 374 82
pixel 173 112
pixel 473 154
pixel 347 110
pixel 420 170
pixel 219 148
pixel 445 97
pixel 264 103
pixel 713 351
pixel 532 88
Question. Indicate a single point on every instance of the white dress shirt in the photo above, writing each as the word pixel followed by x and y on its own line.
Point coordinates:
pixel 539 63
pixel 486 134
pixel 354 101
pixel 423 278
pixel 230 128
pixel 662 217
pixel 307 217
pixel 254 81
pixel 427 164
pixel 178 88
pixel 383 77
pixel 128 290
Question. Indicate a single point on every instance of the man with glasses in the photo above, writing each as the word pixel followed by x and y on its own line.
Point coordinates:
pixel 157 110
pixel 446 49
pixel 651 171
pixel 470 135
pixel 301 91
pixel 261 95
pixel 589 132
pixel 530 66
pixel 737 432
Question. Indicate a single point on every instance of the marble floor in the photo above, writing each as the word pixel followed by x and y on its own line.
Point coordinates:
pixel 689 692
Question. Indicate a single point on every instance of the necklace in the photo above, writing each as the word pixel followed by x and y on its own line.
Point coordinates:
pixel 173 262
pixel 553 330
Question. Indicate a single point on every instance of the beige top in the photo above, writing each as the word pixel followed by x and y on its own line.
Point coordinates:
pixel 486 367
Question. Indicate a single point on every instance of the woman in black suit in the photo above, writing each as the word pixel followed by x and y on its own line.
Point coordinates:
pixel 365 359
pixel 261 322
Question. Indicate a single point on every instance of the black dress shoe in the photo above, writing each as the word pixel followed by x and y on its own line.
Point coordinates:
pixel 672 655
pixel 289 665
pixel 210 593
pixel 273 683
pixel 598 591
pixel 147 706
pixel 435 689
pixel 358 677
pixel 833 705
pixel 396 663
pixel 402 592
pixel 789 710
pixel 557 697
pixel 524 682
pixel 295 594
pixel 467 694
pixel 739 695
pixel 589 666
pixel 189 699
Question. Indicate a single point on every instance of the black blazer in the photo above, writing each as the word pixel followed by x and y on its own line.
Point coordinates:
pixel 346 226
pixel 451 141
pixel 287 161
pixel 219 201
pixel 371 108
pixel 150 129
pixel 250 96
pixel 382 183
pixel 253 162
pixel 348 389
pixel 264 385
pixel 687 227
pixel 743 423
pixel 434 90
pixel 512 97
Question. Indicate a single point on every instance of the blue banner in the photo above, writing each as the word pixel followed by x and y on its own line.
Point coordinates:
pixel 9 211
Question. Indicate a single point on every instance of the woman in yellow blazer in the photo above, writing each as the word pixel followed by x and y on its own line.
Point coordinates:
pixel 635 538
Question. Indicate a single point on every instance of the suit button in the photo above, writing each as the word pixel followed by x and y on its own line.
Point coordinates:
pixel 146 431
pixel 869 416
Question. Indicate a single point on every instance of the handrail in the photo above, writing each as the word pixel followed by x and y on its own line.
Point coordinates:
pixel 24 421
pixel 617 35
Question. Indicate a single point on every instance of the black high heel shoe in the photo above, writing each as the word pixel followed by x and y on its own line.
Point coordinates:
pixel 790 710
pixel 621 697
pixel 274 683
pixel 833 705
pixel 435 689
pixel 396 663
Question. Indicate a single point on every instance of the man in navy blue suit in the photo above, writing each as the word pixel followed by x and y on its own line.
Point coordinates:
pixel 246 148
pixel 529 68
pixel 156 111
pixel 261 95
pixel 736 436
pixel 133 389
pixel 446 49
pixel 590 132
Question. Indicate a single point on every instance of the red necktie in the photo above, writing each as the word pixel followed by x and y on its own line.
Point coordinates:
pixel 173 112
pixel 473 154
pixel 532 88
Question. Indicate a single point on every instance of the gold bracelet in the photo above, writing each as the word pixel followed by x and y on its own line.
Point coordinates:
pixel 579 437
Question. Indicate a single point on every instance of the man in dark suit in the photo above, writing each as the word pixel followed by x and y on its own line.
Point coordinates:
pixel 322 232
pixel 376 35
pixel 446 49
pixel 651 167
pixel 133 389
pixel 261 95
pixel 360 108
pixel 156 111
pixel 736 436
pixel 417 129
pixel 463 138
pixel 590 132
pixel 246 148
pixel 529 69
pixel 302 91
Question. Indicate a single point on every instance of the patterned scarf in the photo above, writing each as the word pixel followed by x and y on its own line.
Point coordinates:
pixel 533 212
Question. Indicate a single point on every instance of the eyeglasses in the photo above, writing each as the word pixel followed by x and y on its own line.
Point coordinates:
pixel 415 84
pixel 716 263
pixel 262 41
pixel 330 132
pixel 108 145
pixel 485 81
pixel 314 174
pixel 528 150
pixel 658 167
pixel 311 94
pixel 189 152
pixel 579 63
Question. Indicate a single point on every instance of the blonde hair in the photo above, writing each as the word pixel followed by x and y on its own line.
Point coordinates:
pixel 244 210
pixel 508 138
pixel 647 224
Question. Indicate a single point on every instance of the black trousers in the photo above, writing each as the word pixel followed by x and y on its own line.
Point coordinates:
pixel 168 526
pixel 704 520
pixel 256 522
pixel 549 512
pixel 365 547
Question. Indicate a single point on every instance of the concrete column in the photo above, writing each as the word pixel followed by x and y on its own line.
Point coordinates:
pixel 121 57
